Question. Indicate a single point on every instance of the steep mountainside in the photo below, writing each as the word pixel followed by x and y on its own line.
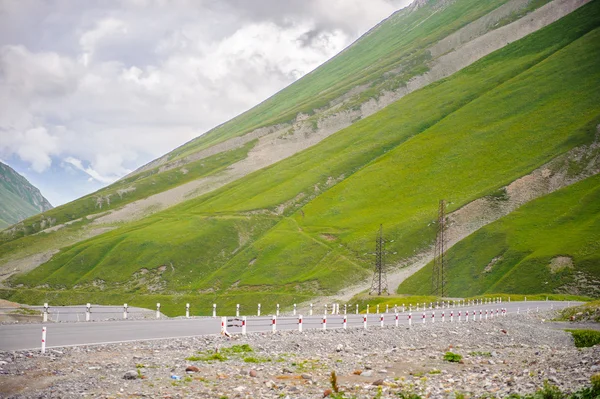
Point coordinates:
pixel 304 226
pixel 550 244
pixel 18 198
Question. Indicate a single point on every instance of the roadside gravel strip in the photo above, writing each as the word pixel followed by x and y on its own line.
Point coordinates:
pixel 501 356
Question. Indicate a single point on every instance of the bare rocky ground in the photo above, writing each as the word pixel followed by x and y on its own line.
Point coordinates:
pixel 502 356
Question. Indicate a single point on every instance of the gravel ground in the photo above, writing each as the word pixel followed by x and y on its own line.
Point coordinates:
pixel 502 356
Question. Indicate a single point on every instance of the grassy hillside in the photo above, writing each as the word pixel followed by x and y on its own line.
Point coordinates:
pixel 305 226
pixel 384 59
pixel 541 247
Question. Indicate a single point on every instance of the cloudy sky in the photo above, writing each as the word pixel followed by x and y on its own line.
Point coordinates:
pixel 90 90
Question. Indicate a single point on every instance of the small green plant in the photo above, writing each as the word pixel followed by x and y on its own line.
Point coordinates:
pixel 550 391
pixel 452 357
pixel 333 380
pixel 585 338
pixel 435 371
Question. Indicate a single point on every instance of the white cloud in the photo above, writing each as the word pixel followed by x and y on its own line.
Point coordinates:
pixel 90 171
pixel 108 86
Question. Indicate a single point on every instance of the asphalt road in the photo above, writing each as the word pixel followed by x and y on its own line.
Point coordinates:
pixel 28 336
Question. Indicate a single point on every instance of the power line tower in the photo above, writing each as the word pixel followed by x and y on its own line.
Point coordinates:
pixel 379 283
pixel 438 276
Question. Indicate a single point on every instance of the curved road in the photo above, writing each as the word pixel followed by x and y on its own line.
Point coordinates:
pixel 28 336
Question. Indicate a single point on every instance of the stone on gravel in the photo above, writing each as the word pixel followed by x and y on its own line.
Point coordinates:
pixel 131 375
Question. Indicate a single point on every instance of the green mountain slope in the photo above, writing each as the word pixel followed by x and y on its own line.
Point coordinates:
pixel 550 244
pixel 18 198
pixel 382 60
pixel 305 225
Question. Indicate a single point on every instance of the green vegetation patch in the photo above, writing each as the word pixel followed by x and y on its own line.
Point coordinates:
pixel 585 338
pixel 452 357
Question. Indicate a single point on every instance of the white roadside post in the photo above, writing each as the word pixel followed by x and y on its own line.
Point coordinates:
pixel 300 323
pixel 381 319
pixel 474 315
pixel 88 310
pixel 345 309
pixel 214 310
pixel 277 311
pixel 274 324
pixel 237 310
pixel 311 310
pixel 387 309
pixel 243 325
pixel 357 308
pixel 258 311
pixel 367 308
pixel 43 339
pixel 443 316
pixel 158 310
pixel 377 307
pixel 518 310
pixel 459 316
pixel 125 311
pixel 433 317
pixel 365 321
pixel 223 325
pixel 187 310
pixel 325 309
pixel 397 319
pixel 345 323
pixel 45 316
pixel 403 308
pixel 467 316
pixel 423 317
pixel 294 309
pixel 480 314
pixel 395 308
pixel 410 319
pixel 486 315
pixel 324 322
pixel 452 316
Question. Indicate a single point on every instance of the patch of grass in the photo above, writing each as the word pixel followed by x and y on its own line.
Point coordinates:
pixel 236 349
pixel 207 357
pixel 256 359
pixel 452 357
pixel 585 338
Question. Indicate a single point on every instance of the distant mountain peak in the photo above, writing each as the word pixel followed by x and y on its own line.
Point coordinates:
pixel 19 199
